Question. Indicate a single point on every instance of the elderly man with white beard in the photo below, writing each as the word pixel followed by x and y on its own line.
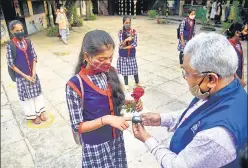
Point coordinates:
pixel 213 128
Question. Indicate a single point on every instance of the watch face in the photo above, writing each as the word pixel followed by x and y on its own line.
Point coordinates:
pixel 136 119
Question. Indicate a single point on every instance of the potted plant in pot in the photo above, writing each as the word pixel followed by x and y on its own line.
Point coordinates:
pixel 152 14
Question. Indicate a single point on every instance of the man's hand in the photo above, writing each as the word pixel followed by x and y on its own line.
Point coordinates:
pixel 151 119
pixel 140 132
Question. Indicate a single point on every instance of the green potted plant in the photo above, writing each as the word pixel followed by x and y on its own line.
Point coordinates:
pixel 152 14
pixel 205 23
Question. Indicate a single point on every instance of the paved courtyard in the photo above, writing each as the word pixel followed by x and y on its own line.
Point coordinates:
pixel 53 146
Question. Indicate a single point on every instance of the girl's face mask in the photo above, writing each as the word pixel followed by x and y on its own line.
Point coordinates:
pixel 19 35
pixel 127 26
pixel 192 17
pixel 99 67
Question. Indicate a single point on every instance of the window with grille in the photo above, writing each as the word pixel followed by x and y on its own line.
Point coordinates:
pixel 38 6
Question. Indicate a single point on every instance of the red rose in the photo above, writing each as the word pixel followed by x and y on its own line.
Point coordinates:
pixel 138 92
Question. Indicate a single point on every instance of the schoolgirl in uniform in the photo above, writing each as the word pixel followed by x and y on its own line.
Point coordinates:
pixel 234 34
pixel 22 59
pixel 187 32
pixel 126 63
pixel 95 98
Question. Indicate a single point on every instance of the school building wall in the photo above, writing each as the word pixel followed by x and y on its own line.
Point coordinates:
pixel 4 32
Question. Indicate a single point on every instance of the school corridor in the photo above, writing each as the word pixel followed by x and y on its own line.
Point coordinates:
pixel 52 145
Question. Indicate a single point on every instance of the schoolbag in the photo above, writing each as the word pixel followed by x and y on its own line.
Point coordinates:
pixel 178 29
pixel 11 72
pixel 76 135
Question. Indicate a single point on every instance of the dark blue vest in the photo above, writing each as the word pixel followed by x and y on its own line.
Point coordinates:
pixel 226 108
pixel 127 52
pixel 188 30
pixel 21 62
pixel 95 105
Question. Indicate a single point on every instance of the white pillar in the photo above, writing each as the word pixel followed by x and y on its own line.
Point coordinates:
pixel 122 7
pixel 181 8
pixel 135 1
pixel 223 12
pixel 119 7
pixel 125 7
pixel 130 9
pixel 142 5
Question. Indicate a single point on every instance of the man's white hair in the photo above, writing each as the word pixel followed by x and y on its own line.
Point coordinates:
pixel 212 52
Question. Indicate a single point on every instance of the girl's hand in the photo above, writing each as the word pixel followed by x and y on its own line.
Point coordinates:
pixel 129 38
pixel 29 78
pixel 183 43
pixel 116 122
pixel 242 82
pixel 139 105
pixel 34 76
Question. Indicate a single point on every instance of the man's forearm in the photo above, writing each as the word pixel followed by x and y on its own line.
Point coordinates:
pixel 169 120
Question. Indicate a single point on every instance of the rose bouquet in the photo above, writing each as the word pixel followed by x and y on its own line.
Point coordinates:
pixel 138 92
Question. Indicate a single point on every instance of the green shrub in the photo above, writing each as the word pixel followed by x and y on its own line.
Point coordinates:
pixel 225 26
pixel 237 11
pixel 152 14
pixel 93 17
pixel 52 31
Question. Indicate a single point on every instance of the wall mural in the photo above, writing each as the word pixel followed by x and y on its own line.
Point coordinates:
pixel 4 32
pixel 36 23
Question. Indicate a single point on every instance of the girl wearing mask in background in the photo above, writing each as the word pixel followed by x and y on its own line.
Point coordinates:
pixel 127 64
pixel 213 10
pixel 95 98
pixel 218 13
pixel 22 60
pixel 58 35
pixel 63 23
pixel 234 34
pixel 187 32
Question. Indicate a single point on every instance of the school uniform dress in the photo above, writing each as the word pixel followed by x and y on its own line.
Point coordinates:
pixel 239 51
pixel 30 94
pixel 126 63
pixel 213 10
pixel 187 29
pixel 103 147
pixel 218 13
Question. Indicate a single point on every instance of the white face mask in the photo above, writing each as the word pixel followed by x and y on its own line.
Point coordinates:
pixel 192 17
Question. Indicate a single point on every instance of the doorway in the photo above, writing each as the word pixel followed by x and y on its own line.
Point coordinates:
pixel 176 7
pixel 9 12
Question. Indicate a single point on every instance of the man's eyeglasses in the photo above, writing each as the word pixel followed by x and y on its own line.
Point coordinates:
pixel 185 74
